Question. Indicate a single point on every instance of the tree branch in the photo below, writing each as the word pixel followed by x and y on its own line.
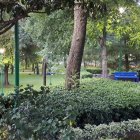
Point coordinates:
pixel 6 28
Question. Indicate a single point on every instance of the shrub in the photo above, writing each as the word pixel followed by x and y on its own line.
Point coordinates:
pixel 94 71
pixel 87 76
pixel 45 116
pixel 124 130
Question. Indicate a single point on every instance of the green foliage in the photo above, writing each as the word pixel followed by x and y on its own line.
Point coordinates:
pixel 94 70
pixel 126 129
pixel 87 76
pixel 6 42
pixel 58 40
pixel 48 114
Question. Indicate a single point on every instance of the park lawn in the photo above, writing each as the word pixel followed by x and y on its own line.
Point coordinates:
pixel 35 80
pixel 28 78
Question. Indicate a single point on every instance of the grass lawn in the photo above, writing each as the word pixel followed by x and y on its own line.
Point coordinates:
pixel 28 77
pixel 35 80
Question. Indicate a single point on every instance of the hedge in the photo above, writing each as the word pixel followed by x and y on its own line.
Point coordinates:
pixel 94 70
pixel 45 114
pixel 129 130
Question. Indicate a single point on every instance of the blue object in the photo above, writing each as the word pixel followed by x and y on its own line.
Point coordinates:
pixel 126 75
pixel 50 73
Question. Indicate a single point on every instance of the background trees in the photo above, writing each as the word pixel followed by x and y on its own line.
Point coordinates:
pixel 100 11
pixel 6 42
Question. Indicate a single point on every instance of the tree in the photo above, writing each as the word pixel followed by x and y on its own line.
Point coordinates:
pixel 28 49
pixel 77 46
pixel 54 38
pixel 81 8
pixel 7 58
pixel 126 29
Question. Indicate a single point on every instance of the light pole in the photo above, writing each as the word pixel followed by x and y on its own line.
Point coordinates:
pixel 2 51
pixel 16 55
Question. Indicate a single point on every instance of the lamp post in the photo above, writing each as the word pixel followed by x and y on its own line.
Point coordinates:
pixel 16 55
pixel 2 51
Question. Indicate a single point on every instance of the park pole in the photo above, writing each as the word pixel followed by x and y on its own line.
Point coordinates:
pixel 16 55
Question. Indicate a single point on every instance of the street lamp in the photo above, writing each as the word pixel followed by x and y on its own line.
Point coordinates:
pixel 121 10
pixel 2 51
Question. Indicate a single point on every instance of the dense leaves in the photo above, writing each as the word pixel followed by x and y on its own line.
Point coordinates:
pixel 12 11
pixel 43 115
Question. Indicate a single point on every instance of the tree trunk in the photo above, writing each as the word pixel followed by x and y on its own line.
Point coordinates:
pixel 26 63
pixel 102 42
pixel 6 82
pixel 77 47
pixel 136 60
pixel 95 63
pixel 65 61
pixel 37 69
pixel 126 62
pixel 12 69
pixel 33 67
pixel 44 67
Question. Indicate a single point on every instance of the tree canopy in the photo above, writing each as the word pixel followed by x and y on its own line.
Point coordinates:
pixel 14 10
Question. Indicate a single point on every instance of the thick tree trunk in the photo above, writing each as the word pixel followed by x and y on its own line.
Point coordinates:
pixel 6 82
pixel 126 62
pixel 102 42
pixel 77 47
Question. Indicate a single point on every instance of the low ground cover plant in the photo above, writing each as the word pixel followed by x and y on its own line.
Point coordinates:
pixel 94 70
pixel 56 114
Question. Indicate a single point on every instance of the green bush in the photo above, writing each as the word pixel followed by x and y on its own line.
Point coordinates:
pixel 44 116
pixel 129 130
pixel 87 76
pixel 94 71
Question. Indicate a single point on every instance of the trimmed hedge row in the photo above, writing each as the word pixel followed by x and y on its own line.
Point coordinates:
pixel 128 130
pixel 44 116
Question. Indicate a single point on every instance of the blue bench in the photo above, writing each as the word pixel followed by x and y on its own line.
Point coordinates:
pixel 126 75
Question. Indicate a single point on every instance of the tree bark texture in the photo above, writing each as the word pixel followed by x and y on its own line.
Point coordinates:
pixel 102 42
pixel 77 47
pixel 6 82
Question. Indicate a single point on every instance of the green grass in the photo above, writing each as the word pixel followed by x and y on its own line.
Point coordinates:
pixel 35 80
pixel 28 77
